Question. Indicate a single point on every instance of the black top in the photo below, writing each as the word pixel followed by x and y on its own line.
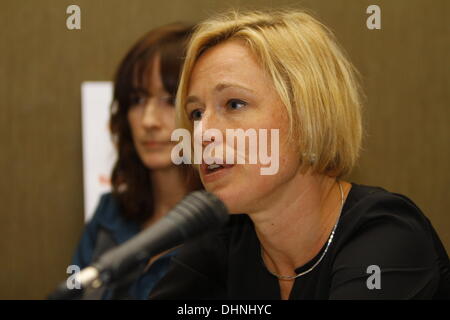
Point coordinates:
pixel 376 227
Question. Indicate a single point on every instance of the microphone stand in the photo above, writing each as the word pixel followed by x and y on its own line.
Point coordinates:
pixel 92 290
pixel 198 212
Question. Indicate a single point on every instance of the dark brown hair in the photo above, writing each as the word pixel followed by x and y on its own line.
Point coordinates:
pixel 130 178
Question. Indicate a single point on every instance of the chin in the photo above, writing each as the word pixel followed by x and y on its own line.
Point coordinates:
pixel 234 200
pixel 158 163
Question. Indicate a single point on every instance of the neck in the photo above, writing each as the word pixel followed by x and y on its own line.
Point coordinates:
pixel 168 188
pixel 298 222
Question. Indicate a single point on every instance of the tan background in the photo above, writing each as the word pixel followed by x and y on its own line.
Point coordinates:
pixel 405 76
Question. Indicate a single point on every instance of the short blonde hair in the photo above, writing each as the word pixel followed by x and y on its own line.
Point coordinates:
pixel 314 80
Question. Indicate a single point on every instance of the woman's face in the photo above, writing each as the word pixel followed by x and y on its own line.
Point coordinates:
pixel 152 121
pixel 229 90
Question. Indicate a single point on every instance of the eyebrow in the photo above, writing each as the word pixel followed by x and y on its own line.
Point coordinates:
pixel 219 87
pixel 192 99
pixel 224 85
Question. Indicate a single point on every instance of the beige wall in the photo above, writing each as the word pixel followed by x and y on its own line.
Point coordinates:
pixel 405 76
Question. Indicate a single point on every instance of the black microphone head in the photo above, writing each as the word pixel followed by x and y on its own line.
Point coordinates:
pixel 198 211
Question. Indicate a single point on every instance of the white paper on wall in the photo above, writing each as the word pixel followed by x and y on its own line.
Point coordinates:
pixel 98 150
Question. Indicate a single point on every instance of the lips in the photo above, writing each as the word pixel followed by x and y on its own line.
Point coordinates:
pixel 214 171
pixel 154 144
pixel 210 168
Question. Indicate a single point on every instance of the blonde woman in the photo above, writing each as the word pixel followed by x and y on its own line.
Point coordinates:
pixel 304 232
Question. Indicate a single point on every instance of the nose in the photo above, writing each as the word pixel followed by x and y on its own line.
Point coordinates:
pixel 151 117
pixel 211 126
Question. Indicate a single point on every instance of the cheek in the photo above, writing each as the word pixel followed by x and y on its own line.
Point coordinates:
pixel 134 119
pixel 283 164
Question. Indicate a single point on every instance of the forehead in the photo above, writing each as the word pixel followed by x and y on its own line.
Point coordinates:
pixel 155 83
pixel 147 76
pixel 229 61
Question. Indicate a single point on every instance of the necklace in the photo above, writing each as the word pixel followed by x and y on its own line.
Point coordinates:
pixel 330 239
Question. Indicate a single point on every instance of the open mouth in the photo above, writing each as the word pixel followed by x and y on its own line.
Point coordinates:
pixel 215 167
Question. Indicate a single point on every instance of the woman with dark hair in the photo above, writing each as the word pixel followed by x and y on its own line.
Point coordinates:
pixel 145 182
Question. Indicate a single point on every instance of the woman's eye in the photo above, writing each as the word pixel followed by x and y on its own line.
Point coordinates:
pixel 236 103
pixel 170 100
pixel 141 100
pixel 196 114
pixel 138 100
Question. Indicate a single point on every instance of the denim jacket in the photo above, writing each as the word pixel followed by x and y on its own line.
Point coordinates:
pixel 107 218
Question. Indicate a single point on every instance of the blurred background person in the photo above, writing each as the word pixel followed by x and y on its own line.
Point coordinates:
pixel 145 182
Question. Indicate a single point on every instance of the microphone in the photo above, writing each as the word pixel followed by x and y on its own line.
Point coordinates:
pixel 198 212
